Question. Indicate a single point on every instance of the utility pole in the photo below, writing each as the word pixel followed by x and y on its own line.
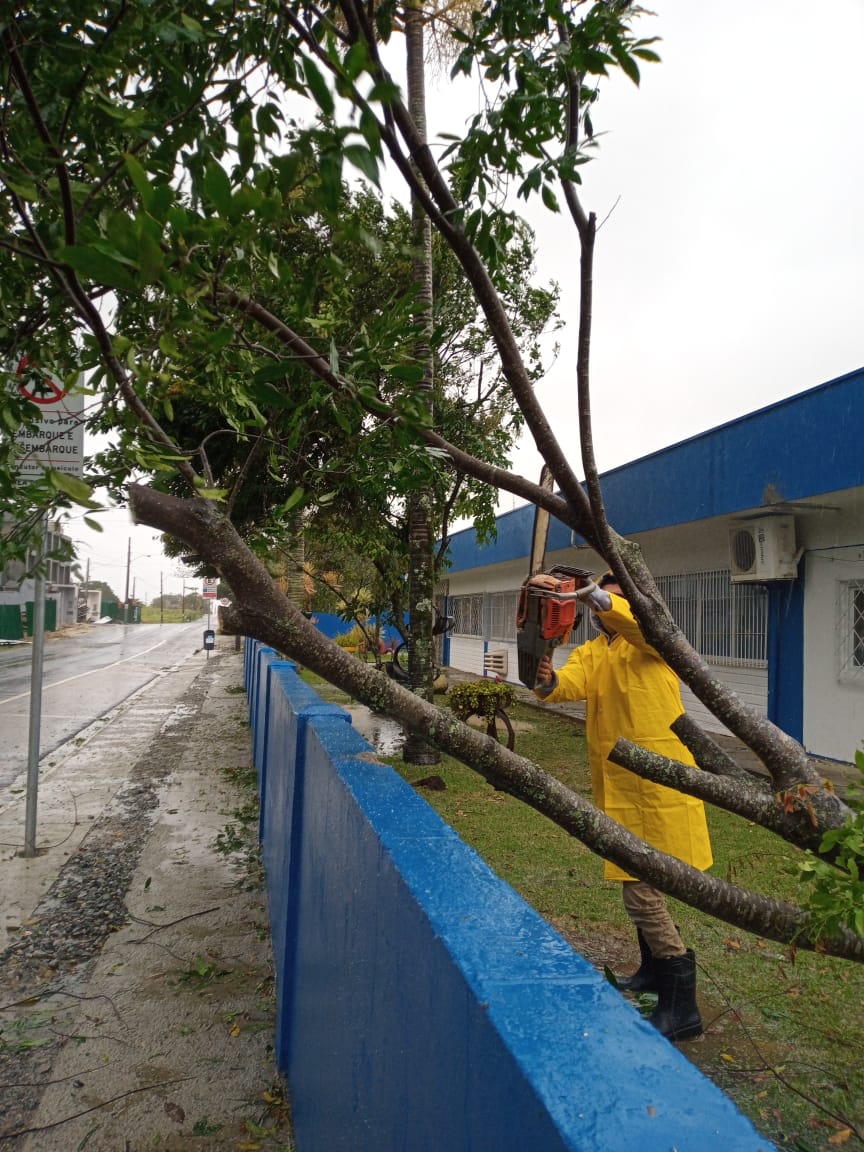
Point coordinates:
pixel 161 601
pixel 128 569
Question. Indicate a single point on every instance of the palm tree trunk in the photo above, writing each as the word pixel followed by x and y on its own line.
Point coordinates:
pixel 421 579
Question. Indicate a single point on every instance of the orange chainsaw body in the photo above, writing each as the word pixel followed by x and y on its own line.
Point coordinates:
pixel 544 618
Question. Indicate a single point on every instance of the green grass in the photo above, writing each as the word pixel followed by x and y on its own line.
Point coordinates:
pixel 784 1032
pixel 151 615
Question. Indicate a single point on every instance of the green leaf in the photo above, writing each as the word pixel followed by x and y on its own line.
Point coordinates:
pixel 80 492
pixel 321 93
pixel 245 143
pixel 412 373
pixel 138 175
pixel 362 158
pixel 217 188
pixel 26 191
pixel 94 525
pixel 150 256
pixel 294 499
pixel 371 130
pixel 93 264
pixel 330 170
pixel 550 199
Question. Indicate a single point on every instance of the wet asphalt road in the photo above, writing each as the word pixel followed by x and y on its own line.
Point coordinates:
pixel 85 675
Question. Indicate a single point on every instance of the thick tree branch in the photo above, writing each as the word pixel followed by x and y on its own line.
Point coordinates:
pixel 808 816
pixel 707 752
pixel 265 614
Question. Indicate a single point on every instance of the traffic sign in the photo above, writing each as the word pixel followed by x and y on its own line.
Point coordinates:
pixel 224 602
pixel 210 587
pixel 57 441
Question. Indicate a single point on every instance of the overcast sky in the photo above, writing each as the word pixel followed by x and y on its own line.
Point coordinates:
pixel 730 273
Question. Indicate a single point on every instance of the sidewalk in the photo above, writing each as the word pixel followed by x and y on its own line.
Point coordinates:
pixel 136 999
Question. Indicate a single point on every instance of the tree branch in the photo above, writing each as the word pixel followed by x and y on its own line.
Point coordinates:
pixel 803 825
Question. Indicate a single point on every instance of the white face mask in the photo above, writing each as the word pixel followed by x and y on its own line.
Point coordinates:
pixel 596 624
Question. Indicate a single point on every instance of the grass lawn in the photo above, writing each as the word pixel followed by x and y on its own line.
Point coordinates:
pixel 784 1035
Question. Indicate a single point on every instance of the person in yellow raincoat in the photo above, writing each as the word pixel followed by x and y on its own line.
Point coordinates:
pixel 631 692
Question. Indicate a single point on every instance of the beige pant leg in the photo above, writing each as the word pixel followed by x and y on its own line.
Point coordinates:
pixel 647 909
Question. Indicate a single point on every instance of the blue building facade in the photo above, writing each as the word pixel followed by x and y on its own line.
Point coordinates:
pixel 785 482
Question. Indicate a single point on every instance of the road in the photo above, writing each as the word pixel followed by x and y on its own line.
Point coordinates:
pixel 86 674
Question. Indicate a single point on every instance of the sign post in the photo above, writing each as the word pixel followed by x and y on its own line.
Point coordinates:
pixel 57 442
pixel 36 661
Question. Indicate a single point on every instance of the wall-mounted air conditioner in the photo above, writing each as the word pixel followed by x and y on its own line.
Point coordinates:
pixel 764 549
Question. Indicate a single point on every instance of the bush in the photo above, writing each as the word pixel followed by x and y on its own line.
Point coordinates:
pixel 482 697
pixel 355 640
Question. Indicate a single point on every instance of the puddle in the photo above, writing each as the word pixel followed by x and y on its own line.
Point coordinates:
pixel 385 735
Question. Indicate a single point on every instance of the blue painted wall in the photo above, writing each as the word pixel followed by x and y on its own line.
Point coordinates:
pixel 786 656
pixel 423 1006
pixel 332 626
pixel 803 446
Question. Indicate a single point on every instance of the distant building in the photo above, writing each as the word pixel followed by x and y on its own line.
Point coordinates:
pixel 755 533
pixel 61 586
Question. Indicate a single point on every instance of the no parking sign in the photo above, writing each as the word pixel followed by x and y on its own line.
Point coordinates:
pixel 57 441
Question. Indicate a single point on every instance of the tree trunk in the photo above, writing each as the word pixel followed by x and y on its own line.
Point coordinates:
pixel 421 578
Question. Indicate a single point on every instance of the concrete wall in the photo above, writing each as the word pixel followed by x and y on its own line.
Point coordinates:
pixel 422 1005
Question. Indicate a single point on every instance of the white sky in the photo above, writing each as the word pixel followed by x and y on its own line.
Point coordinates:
pixel 730 273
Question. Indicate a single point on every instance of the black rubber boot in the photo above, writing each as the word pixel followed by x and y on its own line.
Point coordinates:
pixel 676 1015
pixel 642 979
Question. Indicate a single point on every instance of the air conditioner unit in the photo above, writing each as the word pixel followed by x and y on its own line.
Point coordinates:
pixel 495 662
pixel 762 550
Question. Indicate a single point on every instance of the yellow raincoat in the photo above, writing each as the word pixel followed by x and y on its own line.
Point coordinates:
pixel 632 693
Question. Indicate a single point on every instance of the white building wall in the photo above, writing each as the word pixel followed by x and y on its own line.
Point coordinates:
pixel 466 654
pixel 751 684
pixel 833 691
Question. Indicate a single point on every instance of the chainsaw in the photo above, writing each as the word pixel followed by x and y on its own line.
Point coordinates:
pixel 549 609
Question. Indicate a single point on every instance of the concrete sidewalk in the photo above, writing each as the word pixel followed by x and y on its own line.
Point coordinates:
pixel 136 995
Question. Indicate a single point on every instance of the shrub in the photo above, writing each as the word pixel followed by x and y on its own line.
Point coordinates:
pixel 482 697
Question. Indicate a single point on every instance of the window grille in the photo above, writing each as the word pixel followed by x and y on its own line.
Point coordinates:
pixel 502 615
pixel 583 630
pixel 724 622
pixel 468 614
pixel 850 629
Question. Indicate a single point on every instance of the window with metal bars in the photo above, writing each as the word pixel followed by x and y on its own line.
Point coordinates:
pixel 850 629
pixel 468 614
pixel 502 615
pixel 725 622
